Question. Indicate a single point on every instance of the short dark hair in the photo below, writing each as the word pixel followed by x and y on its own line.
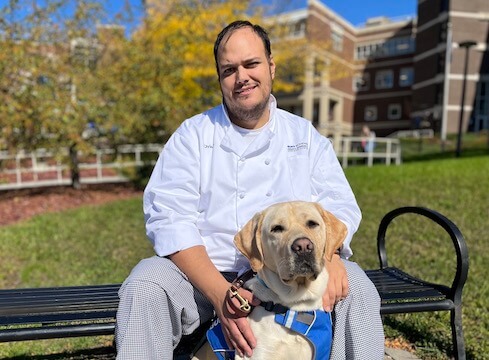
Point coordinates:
pixel 239 24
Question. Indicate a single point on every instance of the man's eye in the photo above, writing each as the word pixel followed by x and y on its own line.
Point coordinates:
pixel 311 224
pixel 277 228
pixel 227 71
pixel 253 64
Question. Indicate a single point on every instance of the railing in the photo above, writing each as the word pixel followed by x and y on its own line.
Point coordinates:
pixel 387 150
pixel 44 168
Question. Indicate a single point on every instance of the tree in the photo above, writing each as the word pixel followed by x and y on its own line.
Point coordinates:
pixel 169 69
pixel 41 74
pixel 66 81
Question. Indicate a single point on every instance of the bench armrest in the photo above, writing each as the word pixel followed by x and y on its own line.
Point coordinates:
pixel 452 230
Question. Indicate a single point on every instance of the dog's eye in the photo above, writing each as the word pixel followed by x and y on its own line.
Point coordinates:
pixel 277 228
pixel 311 224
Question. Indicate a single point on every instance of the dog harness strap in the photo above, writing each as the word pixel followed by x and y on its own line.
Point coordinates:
pixel 273 307
pixel 218 343
pixel 241 279
pixel 315 326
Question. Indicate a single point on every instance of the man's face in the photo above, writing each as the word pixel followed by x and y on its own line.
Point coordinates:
pixel 245 77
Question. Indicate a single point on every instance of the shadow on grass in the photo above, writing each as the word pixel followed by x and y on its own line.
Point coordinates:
pixel 103 353
pixel 431 345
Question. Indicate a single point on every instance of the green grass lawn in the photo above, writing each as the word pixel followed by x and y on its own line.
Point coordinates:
pixel 96 245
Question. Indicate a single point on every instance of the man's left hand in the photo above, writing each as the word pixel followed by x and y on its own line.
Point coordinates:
pixel 337 284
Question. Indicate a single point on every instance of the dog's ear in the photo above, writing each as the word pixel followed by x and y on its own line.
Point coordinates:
pixel 248 241
pixel 335 232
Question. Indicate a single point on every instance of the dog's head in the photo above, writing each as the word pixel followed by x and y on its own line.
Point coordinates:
pixel 292 239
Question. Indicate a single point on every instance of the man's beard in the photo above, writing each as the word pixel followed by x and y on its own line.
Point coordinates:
pixel 241 114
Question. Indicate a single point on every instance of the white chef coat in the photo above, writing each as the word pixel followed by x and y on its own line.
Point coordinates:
pixel 209 181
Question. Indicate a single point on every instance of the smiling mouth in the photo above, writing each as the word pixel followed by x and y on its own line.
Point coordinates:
pixel 245 91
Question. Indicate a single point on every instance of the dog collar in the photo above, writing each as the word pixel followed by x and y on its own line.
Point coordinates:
pixel 270 305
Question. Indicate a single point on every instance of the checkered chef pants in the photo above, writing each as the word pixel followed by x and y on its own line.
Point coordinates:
pixel 158 305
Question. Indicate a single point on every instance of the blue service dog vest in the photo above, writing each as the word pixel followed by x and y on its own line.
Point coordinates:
pixel 315 326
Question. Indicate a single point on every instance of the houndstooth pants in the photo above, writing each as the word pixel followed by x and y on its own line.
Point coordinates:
pixel 158 305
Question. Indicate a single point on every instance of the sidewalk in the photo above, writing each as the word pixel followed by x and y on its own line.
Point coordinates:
pixel 396 354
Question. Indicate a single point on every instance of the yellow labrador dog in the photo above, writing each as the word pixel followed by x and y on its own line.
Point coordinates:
pixel 287 245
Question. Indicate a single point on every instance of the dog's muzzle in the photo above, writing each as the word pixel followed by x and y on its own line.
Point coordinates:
pixel 304 261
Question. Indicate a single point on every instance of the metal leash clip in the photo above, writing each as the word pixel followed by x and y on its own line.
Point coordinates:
pixel 244 304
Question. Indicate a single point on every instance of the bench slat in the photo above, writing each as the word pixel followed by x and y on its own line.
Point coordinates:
pixel 56 332
pixel 58 316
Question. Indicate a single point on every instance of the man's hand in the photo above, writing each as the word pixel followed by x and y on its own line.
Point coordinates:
pixel 235 326
pixel 337 284
pixel 202 273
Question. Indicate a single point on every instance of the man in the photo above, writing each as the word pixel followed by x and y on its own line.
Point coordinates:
pixel 216 171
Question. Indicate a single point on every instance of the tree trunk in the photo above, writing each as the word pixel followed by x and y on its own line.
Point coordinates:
pixel 75 169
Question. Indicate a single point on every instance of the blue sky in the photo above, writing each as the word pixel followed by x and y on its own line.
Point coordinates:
pixel 357 11
pixel 354 11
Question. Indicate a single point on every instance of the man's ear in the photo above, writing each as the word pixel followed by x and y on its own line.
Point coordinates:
pixel 336 232
pixel 271 62
pixel 248 241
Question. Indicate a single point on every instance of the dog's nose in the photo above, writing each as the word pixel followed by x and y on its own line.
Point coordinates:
pixel 302 246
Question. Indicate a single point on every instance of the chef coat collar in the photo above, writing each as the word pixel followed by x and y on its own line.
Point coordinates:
pixel 233 140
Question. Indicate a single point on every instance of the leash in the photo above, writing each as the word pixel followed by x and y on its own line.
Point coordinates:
pixel 238 283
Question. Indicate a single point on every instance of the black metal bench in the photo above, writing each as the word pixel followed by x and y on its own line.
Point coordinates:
pixel 403 293
pixel 44 313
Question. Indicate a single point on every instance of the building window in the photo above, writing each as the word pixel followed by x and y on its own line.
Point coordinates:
pixel 392 47
pixel 298 29
pixel 406 76
pixel 337 40
pixel 394 111
pixel 337 36
pixel 384 79
pixel 370 113
pixel 361 82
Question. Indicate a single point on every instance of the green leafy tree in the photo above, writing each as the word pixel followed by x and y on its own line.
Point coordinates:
pixel 42 74
pixel 168 72
pixel 66 81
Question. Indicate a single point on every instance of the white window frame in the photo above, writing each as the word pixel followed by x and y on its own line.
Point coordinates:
pixel 384 79
pixel 361 82
pixel 370 113
pixel 394 111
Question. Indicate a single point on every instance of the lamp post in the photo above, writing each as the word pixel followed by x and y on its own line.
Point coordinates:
pixel 467 45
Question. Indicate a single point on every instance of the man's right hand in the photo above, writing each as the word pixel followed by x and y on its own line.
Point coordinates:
pixel 202 273
pixel 236 327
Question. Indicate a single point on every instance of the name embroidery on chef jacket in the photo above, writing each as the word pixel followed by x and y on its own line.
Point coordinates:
pixel 315 326
pixel 298 147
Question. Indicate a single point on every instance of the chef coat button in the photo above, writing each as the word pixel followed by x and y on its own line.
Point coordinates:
pixel 241 196
pixel 269 193
pixel 267 162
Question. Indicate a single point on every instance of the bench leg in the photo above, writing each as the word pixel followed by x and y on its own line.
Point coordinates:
pixel 457 332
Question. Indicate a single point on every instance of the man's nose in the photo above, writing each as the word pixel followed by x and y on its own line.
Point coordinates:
pixel 241 75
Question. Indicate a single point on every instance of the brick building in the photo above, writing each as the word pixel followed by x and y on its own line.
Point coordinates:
pixel 405 73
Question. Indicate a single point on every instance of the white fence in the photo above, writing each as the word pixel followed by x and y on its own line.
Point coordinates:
pixel 42 168
pixel 386 150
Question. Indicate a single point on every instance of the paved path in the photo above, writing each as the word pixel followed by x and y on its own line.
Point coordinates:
pixel 395 354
